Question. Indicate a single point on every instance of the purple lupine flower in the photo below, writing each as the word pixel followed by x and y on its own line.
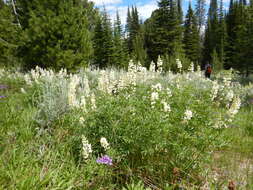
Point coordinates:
pixel 2 96
pixel 105 160
pixel 3 86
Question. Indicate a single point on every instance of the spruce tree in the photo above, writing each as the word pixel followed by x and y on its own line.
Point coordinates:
pixel 103 42
pixel 191 37
pixel 132 27
pixel 139 51
pixel 180 11
pixel 230 23
pixel 166 34
pixel 241 38
pixel 98 44
pixel 56 34
pixel 249 45
pixel 200 13
pixel 212 31
pixel 119 53
pixel 222 38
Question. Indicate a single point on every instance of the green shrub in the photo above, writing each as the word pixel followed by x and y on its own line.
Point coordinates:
pixel 150 141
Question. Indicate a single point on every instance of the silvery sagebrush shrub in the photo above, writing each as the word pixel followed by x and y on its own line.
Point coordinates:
pixel 52 100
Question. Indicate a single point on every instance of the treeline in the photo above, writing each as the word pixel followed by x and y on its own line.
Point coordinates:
pixel 74 34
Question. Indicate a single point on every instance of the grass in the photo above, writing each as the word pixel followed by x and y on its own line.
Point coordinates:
pixel 235 162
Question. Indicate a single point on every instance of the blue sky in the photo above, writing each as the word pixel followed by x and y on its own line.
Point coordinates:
pixel 145 7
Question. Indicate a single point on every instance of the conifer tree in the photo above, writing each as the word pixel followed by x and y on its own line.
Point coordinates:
pixel 222 37
pixel 200 13
pixel 249 45
pixel 166 34
pixel 118 44
pixel 241 38
pixel 56 34
pixel 98 44
pixel 132 27
pixel 103 42
pixel 211 33
pixel 230 23
pixel 180 11
pixel 191 37
pixel 139 51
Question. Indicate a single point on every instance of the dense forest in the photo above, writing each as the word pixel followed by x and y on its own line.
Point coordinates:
pixel 73 34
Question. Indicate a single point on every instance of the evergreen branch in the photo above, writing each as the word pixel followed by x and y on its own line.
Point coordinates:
pixel 7 43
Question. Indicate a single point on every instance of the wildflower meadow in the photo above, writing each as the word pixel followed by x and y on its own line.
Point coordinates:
pixel 132 130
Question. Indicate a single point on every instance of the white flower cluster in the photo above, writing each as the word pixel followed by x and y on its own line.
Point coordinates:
pixel 235 106
pixel 93 102
pixel 169 93
pixel 103 81
pixel 154 94
pixel 187 115
pixel 152 67
pixel 191 67
pixel 38 74
pixel 230 95
pixel 86 147
pixel 83 103
pixel 157 87
pixel 179 65
pixel 215 89
pixel 154 98
pixel 104 143
pixel 86 86
pixel 166 107
pixel 159 65
pixel 22 90
pixel 81 120
pixel 227 80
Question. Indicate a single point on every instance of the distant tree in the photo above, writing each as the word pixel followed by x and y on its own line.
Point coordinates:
pixel 200 13
pixel 191 37
pixel 139 51
pixel 180 11
pixel 119 51
pixel 164 35
pixel 222 36
pixel 211 33
pixel 103 42
pixel 132 27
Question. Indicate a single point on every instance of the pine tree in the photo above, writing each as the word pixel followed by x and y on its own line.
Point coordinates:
pixel 132 27
pixel 191 37
pixel 241 38
pixel 222 38
pixel 139 51
pixel 166 34
pixel 119 48
pixel 180 11
pixel 103 42
pixel 249 45
pixel 211 33
pixel 56 34
pixel 230 23
pixel 98 44
pixel 200 13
